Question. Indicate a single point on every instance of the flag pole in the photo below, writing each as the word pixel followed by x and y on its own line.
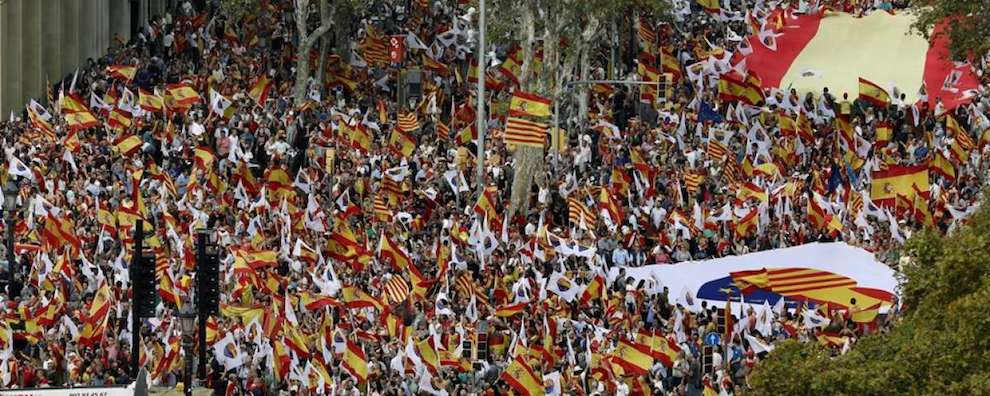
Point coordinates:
pixel 480 182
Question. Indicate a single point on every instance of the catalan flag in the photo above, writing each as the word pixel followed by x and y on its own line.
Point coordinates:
pixel 521 377
pixel 355 362
pixel 580 215
pixel 408 122
pixel 259 91
pixel 872 93
pixel 122 72
pixel 527 104
pixel 525 133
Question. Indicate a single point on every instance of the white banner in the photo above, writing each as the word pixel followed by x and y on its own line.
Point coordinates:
pixel 854 273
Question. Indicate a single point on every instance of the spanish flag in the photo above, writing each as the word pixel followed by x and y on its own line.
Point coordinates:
pixel 521 377
pixel 508 311
pixel 527 104
pixel 633 357
pixel 259 92
pixel 77 115
pixel 898 180
pixel 127 144
pixel 816 215
pixel 712 6
pixel 150 102
pixel 594 290
pixel 487 204
pixel 734 87
pixel 393 253
pixel 747 223
pixel 180 96
pixel 121 71
pixel 749 190
pixel 357 136
pixel 355 362
pixel 941 165
pixel 402 143
pixel 787 125
pixel 119 119
pixel 872 93
pixel 511 68
pixel 355 298
pixel 884 133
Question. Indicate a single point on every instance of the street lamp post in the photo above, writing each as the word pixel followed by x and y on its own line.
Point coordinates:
pixel 187 318
pixel 9 205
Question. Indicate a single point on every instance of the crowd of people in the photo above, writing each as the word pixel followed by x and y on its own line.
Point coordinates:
pixel 355 259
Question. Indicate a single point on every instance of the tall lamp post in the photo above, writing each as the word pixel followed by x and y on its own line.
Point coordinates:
pixel 10 191
pixel 187 318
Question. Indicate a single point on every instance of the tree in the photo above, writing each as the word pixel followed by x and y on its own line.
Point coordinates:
pixel 966 23
pixel 939 346
pixel 578 22
pixel 306 40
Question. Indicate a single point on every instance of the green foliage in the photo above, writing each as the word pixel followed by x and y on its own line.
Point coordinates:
pixel 939 346
pixel 969 30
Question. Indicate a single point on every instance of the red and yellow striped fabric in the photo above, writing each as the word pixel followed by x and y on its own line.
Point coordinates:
pixel 525 133
pixel 580 215
pixel 396 289
pixel 408 122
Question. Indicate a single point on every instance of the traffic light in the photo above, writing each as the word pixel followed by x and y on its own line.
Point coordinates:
pixel 207 277
pixel 144 286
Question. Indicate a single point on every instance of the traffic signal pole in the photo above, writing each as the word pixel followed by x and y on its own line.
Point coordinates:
pixel 135 320
pixel 201 240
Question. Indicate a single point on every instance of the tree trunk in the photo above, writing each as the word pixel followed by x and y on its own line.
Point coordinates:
pixel 528 160
pixel 584 52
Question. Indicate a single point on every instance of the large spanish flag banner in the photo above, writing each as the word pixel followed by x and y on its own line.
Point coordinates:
pixel 521 377
pixel 898 180
pixel 878 47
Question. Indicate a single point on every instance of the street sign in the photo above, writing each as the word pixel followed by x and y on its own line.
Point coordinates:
pixel 713 339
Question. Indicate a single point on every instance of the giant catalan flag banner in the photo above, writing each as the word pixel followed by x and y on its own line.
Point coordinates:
pixel 816 273
pixel 833 49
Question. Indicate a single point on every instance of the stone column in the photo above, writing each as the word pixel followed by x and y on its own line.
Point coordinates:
pixel 11 94
pixel 70 39
pixel 31 72
pixel 120 20
pixel 51 45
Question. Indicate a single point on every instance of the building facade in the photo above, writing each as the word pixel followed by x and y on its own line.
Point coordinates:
pixel 45 40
